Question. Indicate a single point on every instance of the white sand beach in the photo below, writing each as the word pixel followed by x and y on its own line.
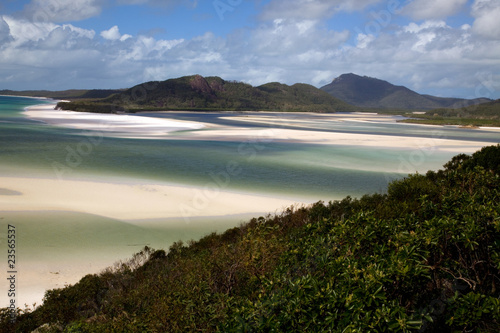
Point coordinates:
pixel 129 212
pixel 140 127
pixel 72 227
pixel 119 125
pixel 132 201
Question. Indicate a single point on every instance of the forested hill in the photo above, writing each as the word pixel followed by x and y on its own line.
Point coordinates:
pixel 425 257
pixel 485 114
pixel 213 93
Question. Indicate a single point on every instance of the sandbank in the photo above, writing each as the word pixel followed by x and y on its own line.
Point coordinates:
pixel 133 201
pixel 67 229
pixel 339 139
pixel 121 125
pixel 142 127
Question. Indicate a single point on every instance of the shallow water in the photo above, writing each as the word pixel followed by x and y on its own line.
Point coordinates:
pixel 270 166
pixel 274 167
pixel 303 172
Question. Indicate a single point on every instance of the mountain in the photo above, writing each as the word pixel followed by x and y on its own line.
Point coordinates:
pixel 368 92
pixel 213 93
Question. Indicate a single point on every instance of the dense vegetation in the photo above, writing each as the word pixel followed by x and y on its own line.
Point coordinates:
pixel 486 114
pixel 368 92
pixel 423 257
pixel 213 93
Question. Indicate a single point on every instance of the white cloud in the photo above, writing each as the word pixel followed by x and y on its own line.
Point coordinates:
pixel 433 9
pixel 114 34
pixel 487 15
pixel 111 34
pixel 62 10
pixel 288 37
pixel 24 33
pixel 415 28
pixel 291 46
pixel 430 58
pixel 363 40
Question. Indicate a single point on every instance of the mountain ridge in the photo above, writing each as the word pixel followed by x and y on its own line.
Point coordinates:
pixel 368 92
pixel 213 93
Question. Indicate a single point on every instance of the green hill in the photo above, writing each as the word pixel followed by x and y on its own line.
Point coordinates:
pixel 489 110
pixel 425 257
pixel 368 92
pixel 213 93
pixel 485 114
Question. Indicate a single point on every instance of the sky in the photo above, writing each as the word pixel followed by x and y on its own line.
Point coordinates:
pixel 448 48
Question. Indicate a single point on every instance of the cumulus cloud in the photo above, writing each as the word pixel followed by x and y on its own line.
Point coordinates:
pixel 68 56
pixel 288 37
pixel 487 14
pixel 25 33
pixel 431 57
pixel 114 34
pixel 433 9
pixel 61 11
pixel 289 46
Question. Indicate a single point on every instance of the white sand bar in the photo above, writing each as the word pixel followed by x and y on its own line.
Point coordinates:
pixel 67 229
pixel 131 201
pixel 140 127
pixel 341 139
pixel 120 125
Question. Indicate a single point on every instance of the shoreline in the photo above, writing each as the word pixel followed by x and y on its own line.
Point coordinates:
pixel 31 97
pixel 120 200
pixel 108 123
pixel 68 229
pixel 87 224
pixel 130 126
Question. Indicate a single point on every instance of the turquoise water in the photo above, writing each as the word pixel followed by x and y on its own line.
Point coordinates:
pixel 296 170
pixel 302 172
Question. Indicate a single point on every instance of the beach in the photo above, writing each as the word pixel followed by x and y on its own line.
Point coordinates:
pixel 109 219
pixel 118 125
pixel 137 127
pixel 72 225
pixel 133 200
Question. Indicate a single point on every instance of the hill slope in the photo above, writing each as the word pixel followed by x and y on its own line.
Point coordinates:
pixel 213 93
pixel 489 110
pixel 425 257
pixel 485 114
pixel 370 92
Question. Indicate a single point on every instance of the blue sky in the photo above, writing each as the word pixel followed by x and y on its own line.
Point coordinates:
pixel 439 47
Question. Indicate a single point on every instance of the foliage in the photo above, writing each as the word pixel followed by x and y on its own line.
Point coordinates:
pixel 212 93
pixel 485 114
pixel 425 257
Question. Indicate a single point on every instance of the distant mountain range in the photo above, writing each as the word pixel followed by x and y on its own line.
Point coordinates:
pixel 348 92
pixel 367 92
pixel 213 93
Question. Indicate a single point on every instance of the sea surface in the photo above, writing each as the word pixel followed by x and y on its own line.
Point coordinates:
pixel 270 166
